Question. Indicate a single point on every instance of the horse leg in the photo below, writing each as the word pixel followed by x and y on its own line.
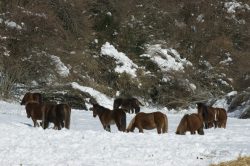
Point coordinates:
pixel 206 125
pixel 140 128
pixel 35 122
pixel 159 129
pixel 216 124
pixel 192 132
pixel 108 128
pixel 137 110
pixel 200 131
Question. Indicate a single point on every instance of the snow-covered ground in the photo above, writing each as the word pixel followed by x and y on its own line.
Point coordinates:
pixel 86 143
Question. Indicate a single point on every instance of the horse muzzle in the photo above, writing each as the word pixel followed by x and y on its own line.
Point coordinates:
pixel 94 116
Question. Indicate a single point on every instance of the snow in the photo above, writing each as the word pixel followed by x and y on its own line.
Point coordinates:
pixel 12 25
pixel 86 143
pixel 100 97
pixel 166 59
pixel 124 64
pixel 234 5
pixel 61 68
pixel 232 93
pixel 29 13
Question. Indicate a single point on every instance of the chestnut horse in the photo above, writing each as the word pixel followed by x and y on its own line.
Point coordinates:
pixel 59 114
pixel 192 123
pixel 28 97
pixel 149 121
pixel 130 104
pixel 216 117
pixel 109 117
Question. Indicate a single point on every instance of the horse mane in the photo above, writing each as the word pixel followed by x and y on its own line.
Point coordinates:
pixel 130 124
pixel 203 107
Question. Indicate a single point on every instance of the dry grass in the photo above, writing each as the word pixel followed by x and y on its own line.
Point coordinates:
pixel 241 161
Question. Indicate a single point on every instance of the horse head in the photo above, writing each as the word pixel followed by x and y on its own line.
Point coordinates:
pixel 95 110
pixel 26 98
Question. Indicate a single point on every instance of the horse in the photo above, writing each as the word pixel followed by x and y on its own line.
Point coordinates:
pixel 31 97
pixel 130 104
pixel 33 104
pixel 216 117
pixel 192 123
pixel 33 110
pixel 149 121
pixel 59 114
pixel 64 114
pixel 109 117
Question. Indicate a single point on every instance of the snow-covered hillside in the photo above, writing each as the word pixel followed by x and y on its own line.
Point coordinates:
pixel 86 143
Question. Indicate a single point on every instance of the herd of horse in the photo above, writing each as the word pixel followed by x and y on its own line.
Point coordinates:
pixel 59 114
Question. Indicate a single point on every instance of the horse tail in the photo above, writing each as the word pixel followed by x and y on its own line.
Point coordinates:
pixel 130 124
pixel 43 115
pixel 165 126
pixel 225 120
pixel 67 112
pixel 123 122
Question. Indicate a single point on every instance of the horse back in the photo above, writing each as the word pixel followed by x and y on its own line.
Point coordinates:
pixel 159 117
pixel 145 120
pixel 31 97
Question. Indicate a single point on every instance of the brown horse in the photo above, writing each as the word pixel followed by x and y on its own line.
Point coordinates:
pixel 64 114
pixel 192 123
pixel 109 117
pixel 216 117
pixel 130 104
pixel 59 114
pixel 149 121
pixel 221 118
pixel 28 97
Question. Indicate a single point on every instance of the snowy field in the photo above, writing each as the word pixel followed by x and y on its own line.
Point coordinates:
pixel 86 143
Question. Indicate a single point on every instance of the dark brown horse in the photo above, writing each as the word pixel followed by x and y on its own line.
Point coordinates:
pixel 33 105
pixel 149 121
pixel 130 104
pixel 59 114
pixel 216 117
pixel 109 117
pixel 192 123
pixel 33 110
pixel 28 97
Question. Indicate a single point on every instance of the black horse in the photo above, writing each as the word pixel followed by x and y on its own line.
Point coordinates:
pixel 132 105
